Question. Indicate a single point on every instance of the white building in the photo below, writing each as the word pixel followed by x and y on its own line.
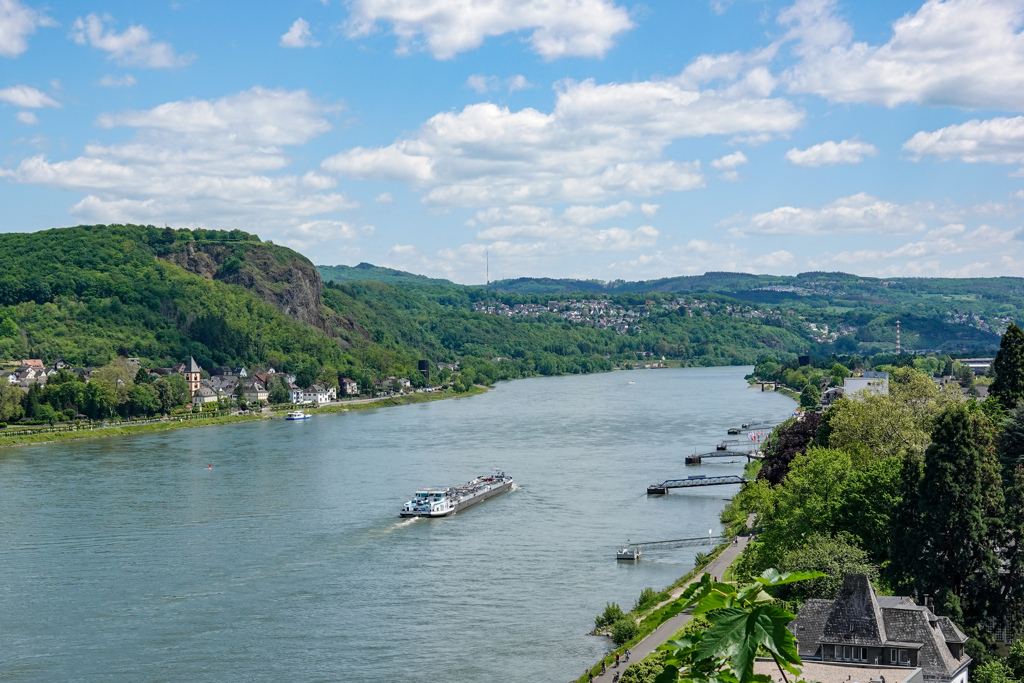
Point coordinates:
pixel 870 382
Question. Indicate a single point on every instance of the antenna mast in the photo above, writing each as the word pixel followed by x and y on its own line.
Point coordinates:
pixel 897 337
pixel 487 254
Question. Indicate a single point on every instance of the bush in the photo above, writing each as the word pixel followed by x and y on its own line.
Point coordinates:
pixel 612 613
pixel 3 425
pixel 700 559
pixel 648 597
pixel 623 629
pixel 645 671
pixel 993 672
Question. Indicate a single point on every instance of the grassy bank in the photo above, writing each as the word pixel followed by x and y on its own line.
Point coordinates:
pixel 654 617
pixel 93 432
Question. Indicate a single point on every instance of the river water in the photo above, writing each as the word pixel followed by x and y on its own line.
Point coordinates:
pixel 127 559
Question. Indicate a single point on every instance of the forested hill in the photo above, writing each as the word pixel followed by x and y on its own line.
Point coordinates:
pixel 89 293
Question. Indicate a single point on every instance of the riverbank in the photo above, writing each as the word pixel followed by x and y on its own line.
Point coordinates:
pixel 661 624
pixel 92 432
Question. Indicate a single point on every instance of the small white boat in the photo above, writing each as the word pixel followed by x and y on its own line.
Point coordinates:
pixel 628 553
pixel 632 382
pixel 297 415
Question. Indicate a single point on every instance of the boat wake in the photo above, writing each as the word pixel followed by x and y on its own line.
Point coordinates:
pixel 409 521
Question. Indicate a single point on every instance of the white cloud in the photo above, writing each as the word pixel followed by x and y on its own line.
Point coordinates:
pixel 649 210
pixel 299 35
pixel 588 215
pixel 997 141
pixel 729 161
pixel 219 162
pixel 134 46
pixel 17 23
pixel 600 141
pixel 28 118
pixel 560 28
pixel 857 213
pixel 517 82
pixel 728 165
pixel 482 83
pixel 384 198
pixel 935 245
pixel 27 97
pixel 963 53
pixel 125 81
pixel 831 153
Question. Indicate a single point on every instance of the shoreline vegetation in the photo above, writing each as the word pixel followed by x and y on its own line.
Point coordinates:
pixel 54 435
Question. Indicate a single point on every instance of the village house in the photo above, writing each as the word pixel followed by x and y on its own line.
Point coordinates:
pixel 255 390
pixel 318 394
pixel 349 387
pixel 860 628
pixel 202 396
pixel 294 393
pixel 869 382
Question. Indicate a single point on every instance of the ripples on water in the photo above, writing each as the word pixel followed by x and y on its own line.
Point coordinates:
pixel 127 559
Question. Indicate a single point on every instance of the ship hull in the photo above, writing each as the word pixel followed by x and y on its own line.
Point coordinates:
pixel 461 504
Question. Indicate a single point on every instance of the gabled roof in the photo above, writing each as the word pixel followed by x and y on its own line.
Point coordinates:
pixel 855 618
pixel 192 366
pixel 809 624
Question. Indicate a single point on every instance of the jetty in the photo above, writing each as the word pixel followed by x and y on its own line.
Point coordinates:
pixel 693 482
pixel 677 543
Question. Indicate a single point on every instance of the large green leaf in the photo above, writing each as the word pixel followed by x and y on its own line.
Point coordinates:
pixel 737 633
pixel 772 577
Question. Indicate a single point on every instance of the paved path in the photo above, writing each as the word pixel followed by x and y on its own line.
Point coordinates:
pixel 665 631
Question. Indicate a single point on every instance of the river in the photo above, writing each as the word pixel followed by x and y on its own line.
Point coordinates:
pixel 128 559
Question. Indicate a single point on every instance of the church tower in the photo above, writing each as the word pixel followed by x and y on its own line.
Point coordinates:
pixel 192 376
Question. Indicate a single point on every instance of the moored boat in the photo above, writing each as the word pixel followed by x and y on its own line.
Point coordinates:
pixel 297 415
pixel 444 502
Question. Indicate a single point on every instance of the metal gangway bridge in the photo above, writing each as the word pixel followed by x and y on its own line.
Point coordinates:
pixel 693 482
pixel 677 543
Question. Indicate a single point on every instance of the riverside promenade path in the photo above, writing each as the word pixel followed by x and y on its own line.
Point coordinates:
pixel 665 631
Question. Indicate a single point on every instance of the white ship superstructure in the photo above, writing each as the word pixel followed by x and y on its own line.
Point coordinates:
pixel 443 502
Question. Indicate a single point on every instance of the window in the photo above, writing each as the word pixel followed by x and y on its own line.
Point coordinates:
pixel 892 656
pixel 846 653
pixel 904 657
pixel 839 651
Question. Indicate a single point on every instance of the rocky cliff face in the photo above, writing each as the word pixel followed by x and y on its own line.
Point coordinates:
pixel 279 276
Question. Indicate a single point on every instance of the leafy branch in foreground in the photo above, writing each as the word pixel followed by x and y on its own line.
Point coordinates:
pixel 744 621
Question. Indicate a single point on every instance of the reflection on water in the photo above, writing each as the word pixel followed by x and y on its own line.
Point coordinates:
pixel 127 559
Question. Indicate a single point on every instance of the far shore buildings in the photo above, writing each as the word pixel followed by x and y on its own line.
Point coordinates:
pixel 193 375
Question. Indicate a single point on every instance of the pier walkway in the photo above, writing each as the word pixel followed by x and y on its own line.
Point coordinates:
pixel 679 543
pixel 694 481
pixel 668 629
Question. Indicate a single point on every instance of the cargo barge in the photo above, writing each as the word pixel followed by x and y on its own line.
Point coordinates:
pixel 444 502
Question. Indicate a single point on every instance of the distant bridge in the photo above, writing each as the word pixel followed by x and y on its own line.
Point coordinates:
pixel 696 458
pixel 694 481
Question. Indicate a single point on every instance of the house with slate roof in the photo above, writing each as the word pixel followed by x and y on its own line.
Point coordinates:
pixel 204 395
pixel 859 627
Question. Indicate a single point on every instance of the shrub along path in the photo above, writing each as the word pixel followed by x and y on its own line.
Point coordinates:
pixel 665 631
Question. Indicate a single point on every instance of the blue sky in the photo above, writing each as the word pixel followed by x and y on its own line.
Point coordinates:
pixel 564 138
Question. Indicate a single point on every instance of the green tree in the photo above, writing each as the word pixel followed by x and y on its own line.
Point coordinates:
pixel 1012 588
pixel 1015 660
pixel 1011 441
pixel 279 390
pixel 894 424
pixel 143 399
pixel 8 328
pixel 960 502
pixel 142 377
pixel 833 556
pixel 306 375
pixel 1008 385
pixel 100 400
pixel 810 396
pixel 47 414
pixel 11 409
pixel 993 671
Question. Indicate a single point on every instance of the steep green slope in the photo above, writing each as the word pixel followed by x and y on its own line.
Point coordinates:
pixel 85 293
